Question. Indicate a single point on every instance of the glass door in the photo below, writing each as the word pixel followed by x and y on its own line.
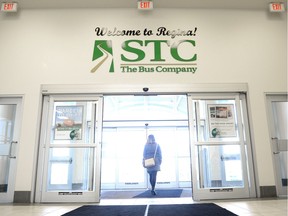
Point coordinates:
pixel 278 121
pixel 71 149
pixel 9 135
pixel 221 156
pixel 122 158
pixel 175 168
pixel 122 153
pixel 127 122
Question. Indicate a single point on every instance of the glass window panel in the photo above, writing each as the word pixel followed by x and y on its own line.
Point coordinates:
pixel 130 171
pixel 108 171
pixel 218 120
pixel 168 170
pixel 184 169
pixel 57 168
pixel 220 166
pixel 61 152
pixel 158 107
pixel 280 113
pixel 166 137
pixel 182 140
pixel 232 170
pixel 109 161
pixel 71 169
pixel 129 145
pixel 72 122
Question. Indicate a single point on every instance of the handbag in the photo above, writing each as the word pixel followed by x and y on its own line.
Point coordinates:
pixel 150 162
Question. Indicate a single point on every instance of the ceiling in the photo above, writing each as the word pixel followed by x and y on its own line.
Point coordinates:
pixel 216 4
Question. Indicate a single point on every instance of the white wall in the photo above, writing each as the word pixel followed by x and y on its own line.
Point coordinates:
pixel 55 47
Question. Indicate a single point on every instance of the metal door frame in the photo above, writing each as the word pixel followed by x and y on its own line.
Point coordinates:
pixel 9 196
pixel 42 169
pixel 275 97
pixel 249 189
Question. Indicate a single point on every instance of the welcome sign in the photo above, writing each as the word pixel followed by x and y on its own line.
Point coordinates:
pixel 161 51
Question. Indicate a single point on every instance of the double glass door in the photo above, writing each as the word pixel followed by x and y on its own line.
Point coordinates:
pixel 9 135
pixel 204 139
pixel 122 153
pixel 70 149
pixel 221 150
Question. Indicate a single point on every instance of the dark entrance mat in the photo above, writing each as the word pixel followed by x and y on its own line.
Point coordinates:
pixel 205 209
pixel 113 210
pixel 160 194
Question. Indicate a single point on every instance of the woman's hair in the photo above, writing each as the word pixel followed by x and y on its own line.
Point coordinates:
pixel 151 139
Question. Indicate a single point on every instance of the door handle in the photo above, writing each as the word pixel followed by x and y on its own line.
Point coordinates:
pixel 275 145
pixel 10 151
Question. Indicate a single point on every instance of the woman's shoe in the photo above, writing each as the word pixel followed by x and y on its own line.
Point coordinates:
pixel 153 193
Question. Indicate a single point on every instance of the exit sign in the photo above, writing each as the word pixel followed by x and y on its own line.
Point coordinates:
pixel 145 5
pixel 9 7
pixel 276 7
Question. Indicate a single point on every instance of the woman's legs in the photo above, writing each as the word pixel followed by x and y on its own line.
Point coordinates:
pixel 153 178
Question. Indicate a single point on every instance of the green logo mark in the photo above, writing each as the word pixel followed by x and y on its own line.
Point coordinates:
pixel 102 51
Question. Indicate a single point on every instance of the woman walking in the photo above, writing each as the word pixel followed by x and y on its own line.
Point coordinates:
pixel 152 150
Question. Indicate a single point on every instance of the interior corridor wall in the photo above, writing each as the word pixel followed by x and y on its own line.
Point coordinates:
pixel 56 46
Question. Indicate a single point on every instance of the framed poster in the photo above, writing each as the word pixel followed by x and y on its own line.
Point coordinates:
pixel 69 122
pixel 221 120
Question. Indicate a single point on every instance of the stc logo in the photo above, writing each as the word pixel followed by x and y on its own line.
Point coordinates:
pixel 136 50
pixel 102 48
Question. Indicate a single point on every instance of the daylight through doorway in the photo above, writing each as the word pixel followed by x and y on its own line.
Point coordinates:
pixel 127 120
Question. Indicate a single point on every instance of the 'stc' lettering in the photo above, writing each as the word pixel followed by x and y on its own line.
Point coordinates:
pixel 136 47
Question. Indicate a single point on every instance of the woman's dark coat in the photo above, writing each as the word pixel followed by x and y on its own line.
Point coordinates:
pixel 149 151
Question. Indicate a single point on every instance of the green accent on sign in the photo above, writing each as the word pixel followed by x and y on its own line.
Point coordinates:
pixel 215 132
pixel 102 48
pixel 73 134
pixel 176 56
pixel 139 53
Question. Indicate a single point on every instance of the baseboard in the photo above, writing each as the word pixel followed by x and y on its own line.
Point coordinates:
pixel 22 196
pixel 268 191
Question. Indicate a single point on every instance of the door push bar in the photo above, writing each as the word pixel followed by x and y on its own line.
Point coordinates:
pixel 279 145
pixel 10 151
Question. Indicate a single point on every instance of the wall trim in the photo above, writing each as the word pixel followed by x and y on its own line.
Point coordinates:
pixel 138 88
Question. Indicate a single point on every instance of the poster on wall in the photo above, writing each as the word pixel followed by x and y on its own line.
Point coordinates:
pixel 221 121
pixel 69 122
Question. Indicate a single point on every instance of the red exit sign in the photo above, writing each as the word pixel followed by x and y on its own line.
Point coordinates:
pixel 145 5
pixel 9 7
pixel 277 7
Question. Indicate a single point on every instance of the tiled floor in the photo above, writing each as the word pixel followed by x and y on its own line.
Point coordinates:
pixel 252 207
